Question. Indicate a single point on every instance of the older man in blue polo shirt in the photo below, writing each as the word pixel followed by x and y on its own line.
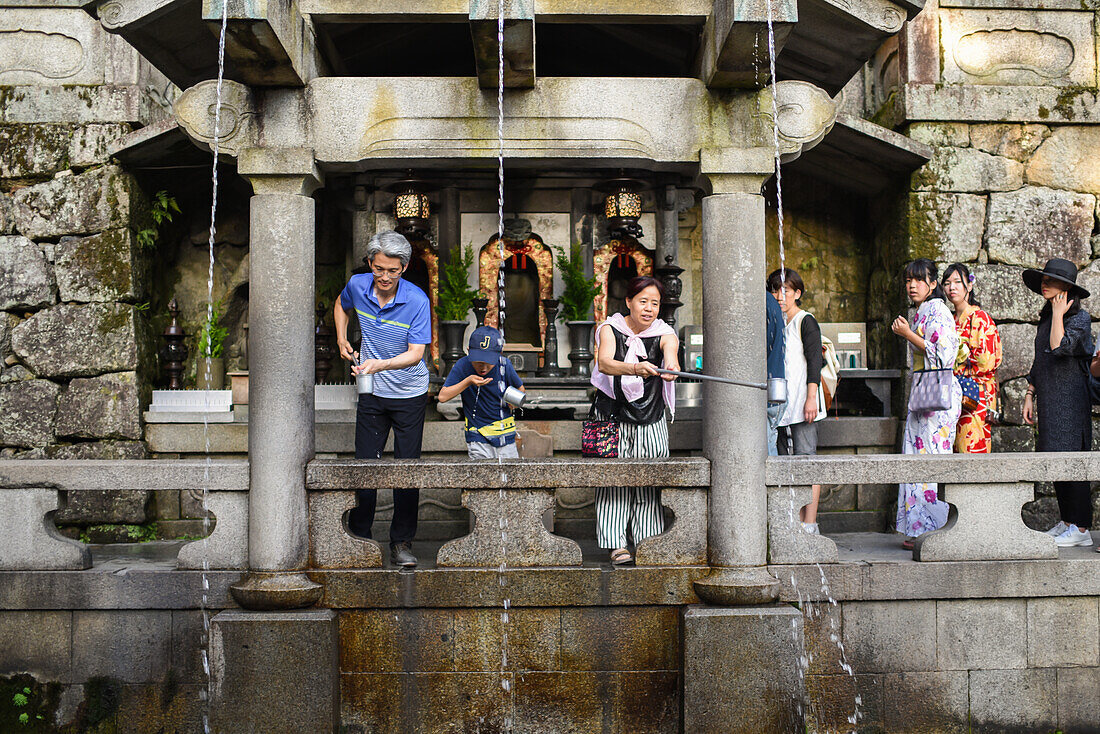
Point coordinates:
pixel 395 321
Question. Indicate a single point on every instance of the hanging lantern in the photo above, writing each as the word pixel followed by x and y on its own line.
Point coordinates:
pixel 623 207
pixel 411 209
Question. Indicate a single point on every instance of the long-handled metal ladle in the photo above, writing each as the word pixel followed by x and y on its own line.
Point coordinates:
pixel 712 378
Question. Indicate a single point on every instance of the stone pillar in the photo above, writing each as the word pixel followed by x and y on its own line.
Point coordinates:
pixel 362 222
pixel 280 348
pixel 735 418
pixel 668 226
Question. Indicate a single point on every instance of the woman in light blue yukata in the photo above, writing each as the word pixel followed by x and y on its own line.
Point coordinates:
pixel 934 344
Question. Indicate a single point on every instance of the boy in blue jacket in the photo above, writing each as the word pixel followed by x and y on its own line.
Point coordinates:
pixel 490 426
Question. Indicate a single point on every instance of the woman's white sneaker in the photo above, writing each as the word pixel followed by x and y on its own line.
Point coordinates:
pixel 1073 536
pixel 811 528
pixel 1057 529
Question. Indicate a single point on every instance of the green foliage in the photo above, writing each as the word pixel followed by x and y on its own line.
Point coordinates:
pixel 455 296
pixel 21 700
pixel 212 334
pixel 576 300
pixel 160 211
pixel 142 307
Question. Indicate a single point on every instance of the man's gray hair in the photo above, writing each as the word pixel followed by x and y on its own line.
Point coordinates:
pixel 390 244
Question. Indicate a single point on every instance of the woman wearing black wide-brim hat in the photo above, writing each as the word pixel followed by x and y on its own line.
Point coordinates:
pixel 1058 389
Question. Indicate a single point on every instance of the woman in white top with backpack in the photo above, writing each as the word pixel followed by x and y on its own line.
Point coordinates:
pixel 802 363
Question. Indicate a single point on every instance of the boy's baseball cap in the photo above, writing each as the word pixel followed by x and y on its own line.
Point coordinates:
pixel 486 344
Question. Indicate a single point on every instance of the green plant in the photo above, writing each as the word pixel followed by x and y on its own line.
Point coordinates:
pixel 160 211
pixel 576 300
pixel 21 699
pixel 212 334
pixel 455 296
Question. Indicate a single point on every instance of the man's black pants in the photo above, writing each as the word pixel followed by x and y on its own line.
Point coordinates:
pixel 373 421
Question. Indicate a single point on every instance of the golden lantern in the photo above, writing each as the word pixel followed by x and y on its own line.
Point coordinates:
pixel 622 207
pixel 411 208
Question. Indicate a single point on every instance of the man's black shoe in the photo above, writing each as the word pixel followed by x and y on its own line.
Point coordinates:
pixel 401 554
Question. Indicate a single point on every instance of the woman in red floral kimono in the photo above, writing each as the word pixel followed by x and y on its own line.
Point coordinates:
pixel 978 332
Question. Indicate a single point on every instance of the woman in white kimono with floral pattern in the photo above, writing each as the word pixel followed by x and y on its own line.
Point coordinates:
pixel 934 344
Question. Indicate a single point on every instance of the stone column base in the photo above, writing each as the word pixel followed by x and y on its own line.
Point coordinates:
pixel 279 590
pixel 738 586
pixel 274 672
pixel 741 670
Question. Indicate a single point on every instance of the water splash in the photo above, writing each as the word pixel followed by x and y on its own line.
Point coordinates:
pixel 204 603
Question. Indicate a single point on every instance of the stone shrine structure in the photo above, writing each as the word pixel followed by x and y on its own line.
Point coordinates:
pixel 957 130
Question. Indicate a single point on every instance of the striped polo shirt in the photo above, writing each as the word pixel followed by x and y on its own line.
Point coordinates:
pixel 389 330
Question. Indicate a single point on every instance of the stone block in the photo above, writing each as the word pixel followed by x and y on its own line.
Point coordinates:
pixel 1013 141
pixel 227 544
pixel 167 504
pixel 99 450
pixel 763 644
pixel 1033 224
pixel 157 707
pixel 1065 160
pixel 928 702
pixel 53 44
pixel 390 703
pixel 980 633
pixel 1041 514
pixel 29 539
pixel 1063 632
pixel 626 701
pixel 108 406
pixel 1018 347
pixel 787 541
pixel 7 215
pixel 528 543
pixel 42 150
pixel 534 639
pixel 620 638
pixel 684 542
pixel 890 636
pixel 821 630
pixel 403 641
pixel 25 279
pixel 1089 276
pixel 126 645
pixel 331 544
pixel 876 496
pixel 266 665
pixel 1002 292
pixel 946 227
pixel 103 267
pixel 842 702
pixel 940 134
pixel 94 507
pixel 1078 702
pixel 968 170
pixel 1013 700
pixel 1013 438
pixel 187 646
pixel 28 413
pixel 37 643
pixel 99 199
pixel 988 527
pixel 78 340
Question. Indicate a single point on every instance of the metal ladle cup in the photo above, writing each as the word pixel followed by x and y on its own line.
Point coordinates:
pixel 777 390
pixel 515 397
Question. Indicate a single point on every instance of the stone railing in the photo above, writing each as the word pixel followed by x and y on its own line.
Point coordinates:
pixel 514 495
pixel 986 491
pixel 520 492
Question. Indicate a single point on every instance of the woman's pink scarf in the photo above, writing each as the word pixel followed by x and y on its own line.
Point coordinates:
pixel 633 387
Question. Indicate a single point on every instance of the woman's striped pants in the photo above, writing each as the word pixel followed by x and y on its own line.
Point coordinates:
pixel 638 508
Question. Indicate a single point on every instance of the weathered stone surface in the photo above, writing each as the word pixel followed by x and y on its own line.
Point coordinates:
pixel 28 411
pixel 528 542
pixel 1066 160
pixel 981 633
pixel 1078 704
pixel 1013 438
pixel 929 702
pixel 1029 226
pixel 1013 700
pixel 833 702
pixel 940 134
pixel 1063 632
pixel 331 544
pixel 1018 348
pixel 946 227
pixel 227 544
pixel 990 507
pixel 39 150
pixel 968 170
pixel 100 450
pixel 102 198
pixel 261 662
pixel 684 542
pixel 7 214
pixel 31 542
pixel 787 541
pixel 763 643
pixel 592 639
pixel 38 643
pixel 103 267
pixel 25 280
pixel 129 646
pixel 381 641
pixel 390 703
pixel 106 506
pixel 1002 293
pixel 618 701
pixel 878 636
pixel 1013 141
pixel 534 639
pixel 108 406
pixel 1088 278
pixel 78 340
